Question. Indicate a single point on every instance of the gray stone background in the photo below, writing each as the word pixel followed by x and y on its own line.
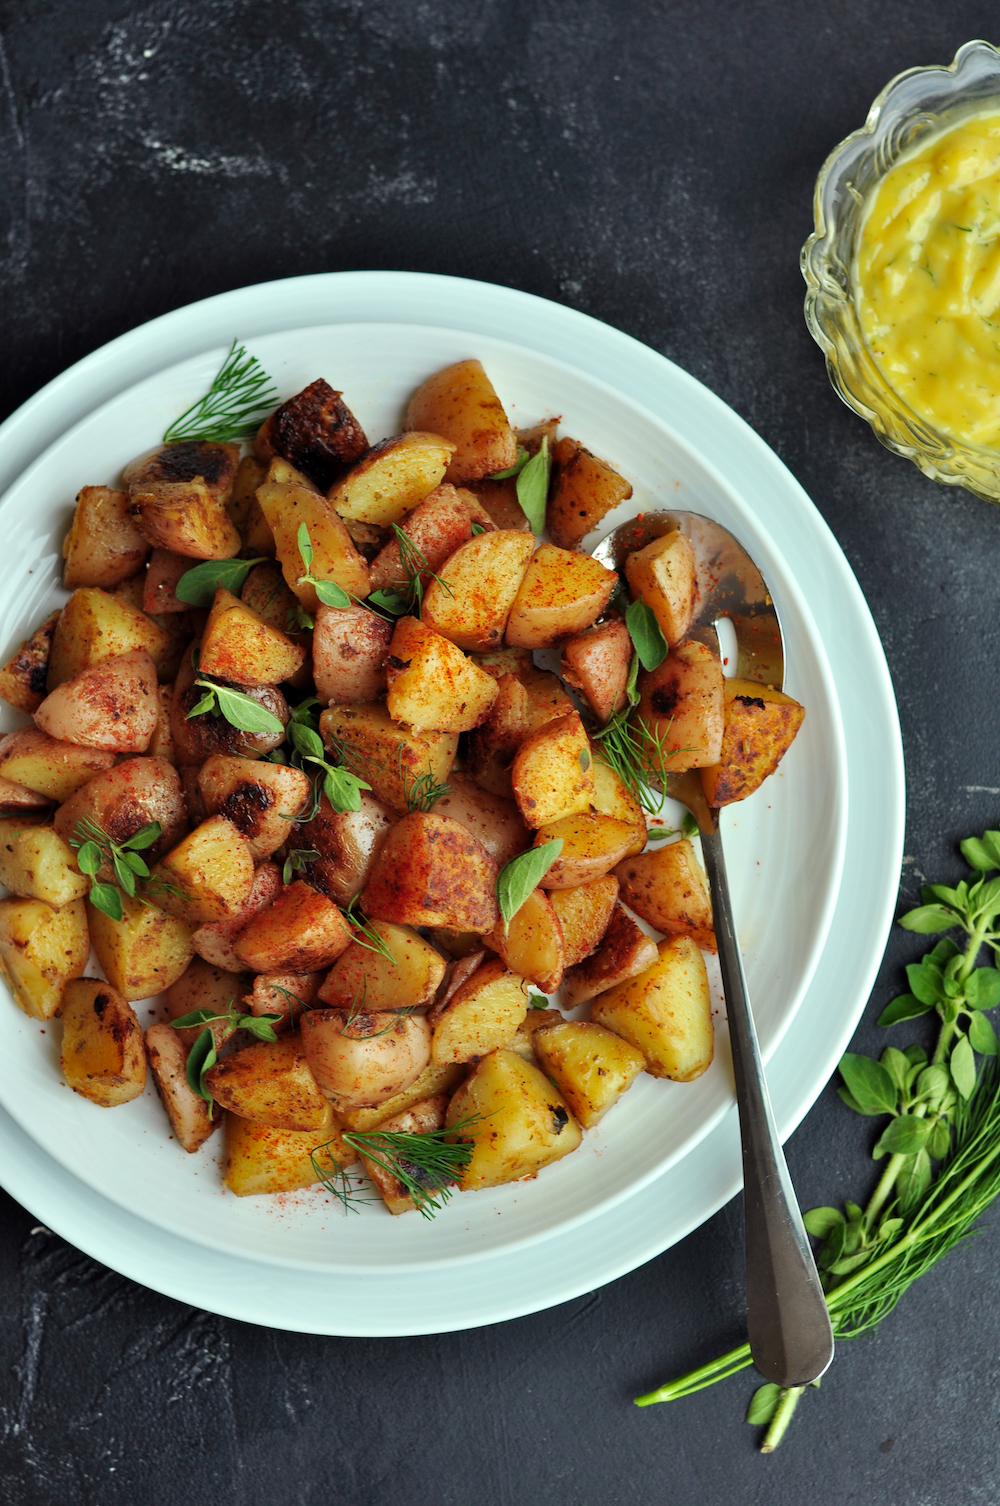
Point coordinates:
pixel 651 164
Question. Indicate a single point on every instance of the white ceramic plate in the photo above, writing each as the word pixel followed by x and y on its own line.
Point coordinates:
pixel 707 1175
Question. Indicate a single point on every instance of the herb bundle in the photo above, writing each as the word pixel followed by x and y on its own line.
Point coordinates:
pixel 239 399
pixel 942 1141
pixel 95 849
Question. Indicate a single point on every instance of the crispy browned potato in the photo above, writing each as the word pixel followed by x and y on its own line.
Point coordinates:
pixel 122 801
pixel 196 738
pixel 663 575
pixel 461 403
pixel 364 1059
pixel 393 477
pixel 532 944
pixel 421 1119
pixel 260 799
pixel 590 1065
pixel 363 978
pixel 103 1058
pixel 215 942
pixel 481 1014
pixel 286 507
pixel 435 528
pixel 552 774
pixel 55 769
pixel 625 951
pixel 431 871
pixel 584 913
pixel 349 650
pixel 500 662
pixel 186 517
pixel 582 491
pixel 114 705
pixel 592 845
pixel 93 626
pixel 23 677
pixel 561 593
pixel 347 843
pixel 36 863
pixel 517 1121
pixel 302 930
pixel 495 822
pixel 395 761
pixel 261 1159
pixel 238 645
pixel 471 599
pixel 431 682
pixel 668 888
pixel 536 1019
pixel 270 1081
pixel 41 948
pixel 143 953
pixel 683 705
pixel 103 545
pixel 187 460
pixel 666 1012
pixel 314 430
pixel 761 724
pixel 204 986
pixel 187 1111
pixel 433 1080
pixel 597 663
pixel 206 877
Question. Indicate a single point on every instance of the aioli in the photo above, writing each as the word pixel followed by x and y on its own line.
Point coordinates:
pixel 927 279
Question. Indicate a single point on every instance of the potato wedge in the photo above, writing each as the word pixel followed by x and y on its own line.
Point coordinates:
pixel 495 822
pixel 286 507
pixel 583 489
pixel 482 1014
pixel 204 986
pixel 391 478
pixel 113 705
pixel 431 871
pixel 395 761
pixel 15 797
pixel 215 942
pixel 435 528
pixel 302 930
pixel 239 645
pixel 265 592
pixel 533 945
pixel 52 768
pixel 760 727
pixel 347 842
pixel 187 460
pixel 122 801
pixel 561 594
pixel 186 517
pixel 431 682
pixel 36 863
pixel 430 1083
pixel 208 876
pixel 270 1081
pixel 596 663
pixel 516 1120
pixel 143 953
pixel 261 1159
pixel 536 1019
pixel 103 545
pixel 590 1065
pixel 683 705
pixel 94 626
pixel 23 677
pixel 584 913
pixel 364 1059
pixel 187 1111
pixel 668 888
pixel 664 576
pixel 41 948
pixel 552 774
pixel 421 1119
pixel 471 599
pixel 314 430
pixel 362 978
pixel 349 650
pixel 666 1012
pixel 547 699
pixel 592 846
pixel 624 952
pixel 612 797
pixel 461 403
pixel 103 1058
pixel 260 799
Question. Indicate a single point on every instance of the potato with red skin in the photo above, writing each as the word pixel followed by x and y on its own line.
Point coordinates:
pixel 187 460
pixel 261 799
pixel 159 586
pixel 23 677
pixel 761 725
pixel 124 800
pixel 349 648
pixel 367 1059
pixel 186 517
pixel 596 663
pixel 114 705
pixel 664 576
pixel 302 930
pixel 215 942
pixel 196 738
pixel 436 527
pixel 203 986
pixel 103 545
pixel 667 887
pixel 582 491
pixel 314 430
pixel 283 993
pixel 186 1109
pixel 431 871
pixel 493 821
pixel 347 842
pixel 424 1117
pixel 683 703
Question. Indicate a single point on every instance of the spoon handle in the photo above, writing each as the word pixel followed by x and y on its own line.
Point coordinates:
pixel 787 1319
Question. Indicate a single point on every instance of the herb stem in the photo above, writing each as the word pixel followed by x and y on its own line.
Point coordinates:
pixel 886 1183
pixel 697 1380
pixel 783 1415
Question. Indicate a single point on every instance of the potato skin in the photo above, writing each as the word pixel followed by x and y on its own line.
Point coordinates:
pixel 596 663
pixel 421 1119
pixel 431 871
pixel 23 677
pixel 471 600
pixel 668 888
pixel 186 460
pixel 761 724
pixel 430 1083
pixel 624 952
pixel 214 942
pixel 197 738
pixel 583 489
pixel 204 986
pixel 316 431
pixel 113 705
pixel 125 799
pixel 302 931
pixel 258 798
pixel 185 517
pixel 437 526
pixel 348 843
pixel 493 821
pixel 684 702
pixel 52 768
pixel 349 647
pixel 103 545
pixel 364 1059
pixel 103 1057
pixel 561 593
pixel 187 1111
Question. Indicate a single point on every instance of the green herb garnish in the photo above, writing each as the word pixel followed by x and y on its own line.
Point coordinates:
pixel 532 474
pixel 95 849
pixel 366 934
pixel 238 708
pixel 512 470
pixel 646 634
pixel 203 1054
pixel 341 787
pixel 636 751
pixel 405 597
pixel 297 860
pixel 239 399
pixel 518 878
pixel 426 1163
pixel 329 593
pixel 198 586
pixel 943 1113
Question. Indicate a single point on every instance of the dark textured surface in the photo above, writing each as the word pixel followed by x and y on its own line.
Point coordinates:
pixel 653 165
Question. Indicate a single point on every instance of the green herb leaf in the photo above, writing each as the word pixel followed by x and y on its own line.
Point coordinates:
pixel 905 1007
pixel 869 1084
pixel 306 740
pixel 537 1001
pixel 933 1085
pixel 343 789
pixel 89 859
pixel 144 837
pixel 914 1181
pixel 238 400
pixel 939 1143
pixel 206 704
pixel 819 1221
pixel 982 988
pixel 925 982
pixel 646 635
pixel 982 1035
pixel 903 1136
pixel 982 853
pixel 305 546
pixel 240 710
pixel 897 1065
pixel 330 594
pixel 533 486
pixel 105 897
pixel 198 586
pixel 512 470
pixel 393 602
pixel 927 919
pixel 963 1067
pixel 763 1404
pixel 518 878
pixel 477 529
pixel 195 1017
pixel 690 827
pixel 201 1058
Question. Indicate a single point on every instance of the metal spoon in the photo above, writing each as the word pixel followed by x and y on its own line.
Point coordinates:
pixel 787 1319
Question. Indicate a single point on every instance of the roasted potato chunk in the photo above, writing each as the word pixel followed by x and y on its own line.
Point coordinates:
pixel 612 797
pixel 591 1066
pixel 532 944
pixel 23 677
pixel 392 759
pixel 583 490
pixel 393 477
pixel 204 986
pixel 591 846
pixel 144 952
pixel 431 1082
pixel 596 664
pixel 664 576
pixel 187 460
pixel 260 799
pixel 15 797
pixel 36 863
pixel 286 507
pixel 186 517
pixel 624 952
pixel 422 1119
pixel 215 942
pixel 239 645
pixel 668 888
pixel 481 1014
pixel 760 726
pixel 435 529
pixel 94 626
pixel 262 1159
pixel 40 950
pixel 349 647
pixel 316 431
pixel 159 585
pixel 431 871
pixel 114 705
pixel 283 993
pixel 347 842
pixel 536 1019
pixel 683 705
pixel 103 545
pixel 302 930
pixel 471 599
pixel 494 822
pixel 122 801
pixel 364 1059
pixel 584 913
pixel 52 768
pixel 552 774
pixel 103 1058
pixel 461 403
pixel 666 1012
pixel 561 594
pixel 196 738
pixel 362 978
pixel 187 1111
pixel 516 1120
pixel 270 1081
pixel 206 877
pixel 431 682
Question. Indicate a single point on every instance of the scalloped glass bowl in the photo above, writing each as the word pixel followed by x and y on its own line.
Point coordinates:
pixel 912 105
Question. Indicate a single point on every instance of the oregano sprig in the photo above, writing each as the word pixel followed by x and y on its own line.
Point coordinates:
pixel 239 709
pixel 203 1055
pixel 95 850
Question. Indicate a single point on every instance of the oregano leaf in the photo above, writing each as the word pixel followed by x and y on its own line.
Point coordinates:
pixel 646 634
pixel 518 878
pixel 869 1083
pixel 763 1404
pixel 963 1067
pixel 197 587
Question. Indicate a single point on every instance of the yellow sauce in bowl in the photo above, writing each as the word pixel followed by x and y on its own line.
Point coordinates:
pixel 927 279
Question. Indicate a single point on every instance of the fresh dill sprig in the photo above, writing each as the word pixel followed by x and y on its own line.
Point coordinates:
pixel 426 1163
pixel 365 933
pixel 424 792
pixel 95 850
pixel 239 399
pixel 405 597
